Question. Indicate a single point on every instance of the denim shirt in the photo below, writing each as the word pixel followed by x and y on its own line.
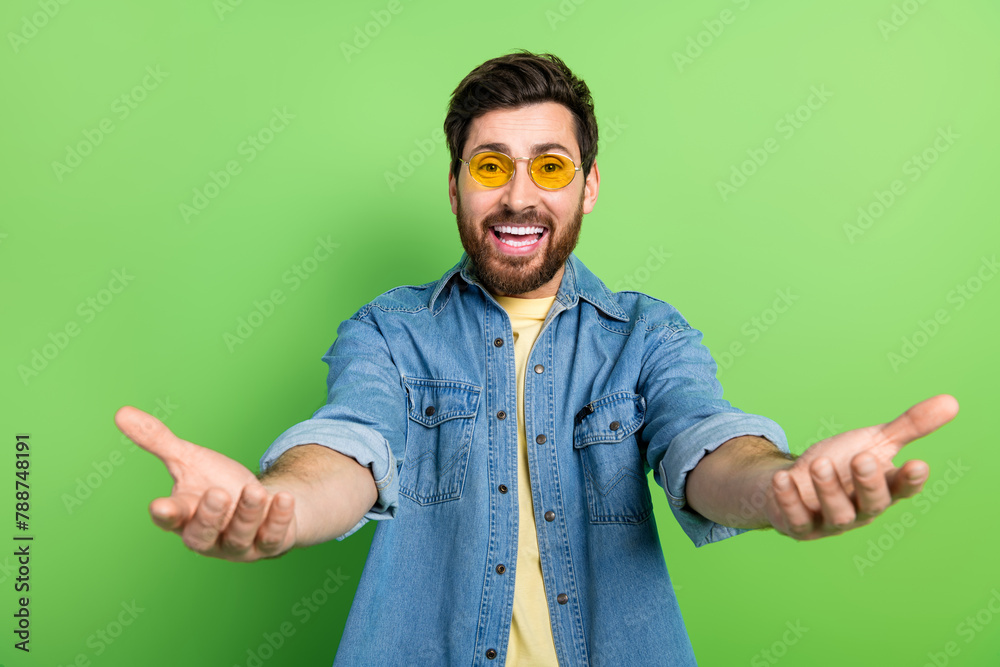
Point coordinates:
pixel 421 389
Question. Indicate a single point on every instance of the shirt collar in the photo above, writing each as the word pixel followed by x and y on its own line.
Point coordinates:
pixel 578 282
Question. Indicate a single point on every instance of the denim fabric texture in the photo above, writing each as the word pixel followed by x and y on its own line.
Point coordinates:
pixel 618 384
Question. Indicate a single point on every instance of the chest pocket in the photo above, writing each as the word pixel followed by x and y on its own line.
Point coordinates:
pixel 441 415
pixel 604 437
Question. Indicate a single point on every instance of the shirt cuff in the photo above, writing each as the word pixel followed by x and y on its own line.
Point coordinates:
pixel 689 447
pixel 362 443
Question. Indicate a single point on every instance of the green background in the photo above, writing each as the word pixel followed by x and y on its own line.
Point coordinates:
pixel 670 133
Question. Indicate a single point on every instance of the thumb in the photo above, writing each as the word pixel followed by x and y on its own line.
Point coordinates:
pixel 149 433
pixel 923 418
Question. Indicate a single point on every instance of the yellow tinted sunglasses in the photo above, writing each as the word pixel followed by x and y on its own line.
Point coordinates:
pixel 548 170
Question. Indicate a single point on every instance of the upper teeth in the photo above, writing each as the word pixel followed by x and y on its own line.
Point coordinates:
pixel 520 230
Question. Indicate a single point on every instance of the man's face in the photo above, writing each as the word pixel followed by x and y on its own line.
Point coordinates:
pixel 534 270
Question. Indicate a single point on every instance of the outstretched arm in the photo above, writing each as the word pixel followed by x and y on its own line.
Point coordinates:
pixel 221 509
pixel 838 484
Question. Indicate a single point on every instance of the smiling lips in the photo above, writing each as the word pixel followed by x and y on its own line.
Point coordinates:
pixel 518 236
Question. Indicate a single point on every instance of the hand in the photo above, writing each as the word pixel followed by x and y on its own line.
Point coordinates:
pixel 201 507
pixel 847 480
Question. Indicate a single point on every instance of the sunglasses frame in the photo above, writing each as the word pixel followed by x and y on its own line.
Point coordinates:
pixel 513 171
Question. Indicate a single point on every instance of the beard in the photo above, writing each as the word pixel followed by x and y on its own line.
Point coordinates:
pixel 511 275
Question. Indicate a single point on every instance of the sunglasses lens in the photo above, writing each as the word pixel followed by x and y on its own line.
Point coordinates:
pixel 491 169
pixel 552 171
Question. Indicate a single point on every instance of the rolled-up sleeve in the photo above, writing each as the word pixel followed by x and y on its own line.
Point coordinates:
pixel 364 416
pixel 687 418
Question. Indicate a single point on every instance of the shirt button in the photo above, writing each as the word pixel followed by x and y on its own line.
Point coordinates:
pixel 498 342
pixel 490 654
pixel 501 568
pixel 539 368
pixel 614 426
pixel 503 488
pixel 550 516
pixel 501 415
pixel 540 439
pixel 562 598
pixel 429 411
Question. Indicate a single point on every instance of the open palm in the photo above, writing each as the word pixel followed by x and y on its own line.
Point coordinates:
pixel 845 481
pixel 217 505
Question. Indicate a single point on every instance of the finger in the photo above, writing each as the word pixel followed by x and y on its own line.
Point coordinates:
pixel 798 519
pixel 149 433
pixel 908 480
pixel 275 528
pixel 170 513
pixel 838 510
pixel 239 535
pixel 807 490
pixel 870 486
pixel 202 532
pixel 923 418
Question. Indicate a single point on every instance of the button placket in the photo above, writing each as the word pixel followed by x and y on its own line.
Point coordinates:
pixel 502 384
pixel 541 414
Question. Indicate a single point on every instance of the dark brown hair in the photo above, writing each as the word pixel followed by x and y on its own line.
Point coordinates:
pixel 515 80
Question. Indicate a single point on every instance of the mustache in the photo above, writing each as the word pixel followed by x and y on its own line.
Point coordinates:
pixel 509 217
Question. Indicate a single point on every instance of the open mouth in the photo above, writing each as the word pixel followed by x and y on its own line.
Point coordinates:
pixel 518 236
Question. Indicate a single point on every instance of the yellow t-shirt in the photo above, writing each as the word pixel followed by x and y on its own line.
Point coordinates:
pixel 531 643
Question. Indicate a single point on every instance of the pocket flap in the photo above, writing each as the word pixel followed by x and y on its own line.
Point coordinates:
pixel 611 419
pixel 431 402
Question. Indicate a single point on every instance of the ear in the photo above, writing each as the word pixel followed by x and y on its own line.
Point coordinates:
pixel 590 188
pixel 453 191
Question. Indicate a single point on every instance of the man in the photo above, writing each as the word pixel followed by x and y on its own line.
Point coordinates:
pixel 505 418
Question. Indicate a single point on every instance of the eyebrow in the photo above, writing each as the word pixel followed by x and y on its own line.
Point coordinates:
pixel 535 150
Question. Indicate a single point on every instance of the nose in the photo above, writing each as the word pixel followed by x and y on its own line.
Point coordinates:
pixel 521 192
